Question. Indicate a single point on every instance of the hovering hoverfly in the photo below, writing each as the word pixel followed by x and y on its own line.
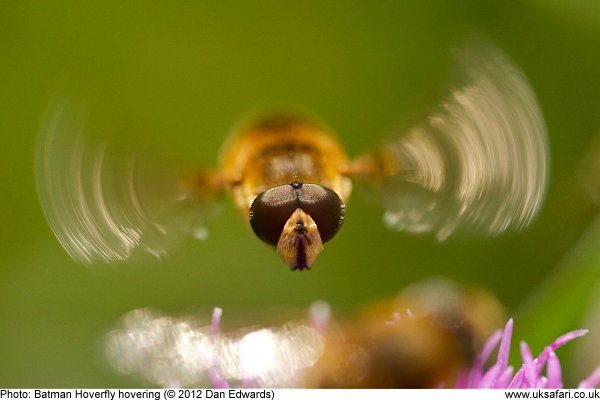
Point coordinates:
pixel 477 163
pixel 423 338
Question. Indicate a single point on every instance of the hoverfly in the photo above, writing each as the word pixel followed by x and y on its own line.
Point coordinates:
pixel 477 163
pixel 424 338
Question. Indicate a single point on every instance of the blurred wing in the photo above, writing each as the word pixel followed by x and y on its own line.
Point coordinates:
pixel 479 163
pixel 104 202
pixel 182 351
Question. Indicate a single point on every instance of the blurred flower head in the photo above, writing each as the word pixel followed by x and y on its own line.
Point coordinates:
pixel 427 337
pixel 543 372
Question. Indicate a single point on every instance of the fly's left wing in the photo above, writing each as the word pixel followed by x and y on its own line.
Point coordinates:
pixel 477 163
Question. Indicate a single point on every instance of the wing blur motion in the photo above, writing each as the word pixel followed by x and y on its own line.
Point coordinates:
pixel 105 203
pixel 182 351
pixel 479 163
pixel 425 337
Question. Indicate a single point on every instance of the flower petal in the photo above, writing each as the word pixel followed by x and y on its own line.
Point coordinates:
pixel 216 320
pixel 477 370
pixel 530 377
pixel 591 381
pixel 489 377
pixel 504 349
pixel 554 372
pixel 517 380
pixel 217 381
pixel 560 341
pixel 503 379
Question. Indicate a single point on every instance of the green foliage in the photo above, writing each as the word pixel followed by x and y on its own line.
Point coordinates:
pixel 178 75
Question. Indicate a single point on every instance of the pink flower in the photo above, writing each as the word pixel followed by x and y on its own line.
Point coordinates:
pixel 543 372
pixel 531 374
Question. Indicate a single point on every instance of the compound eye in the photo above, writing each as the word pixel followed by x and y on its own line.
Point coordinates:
pixel 324 206
pixel 270 210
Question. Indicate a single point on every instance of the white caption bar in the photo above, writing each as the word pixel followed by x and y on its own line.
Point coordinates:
pixel 299 394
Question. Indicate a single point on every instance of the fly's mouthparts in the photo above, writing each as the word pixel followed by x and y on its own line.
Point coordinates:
pixel 301 242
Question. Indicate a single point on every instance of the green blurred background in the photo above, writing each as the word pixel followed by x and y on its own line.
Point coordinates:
pixel 183 72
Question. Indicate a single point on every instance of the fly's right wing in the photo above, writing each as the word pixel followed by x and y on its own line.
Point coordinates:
pixel 106 202
pixel 478 163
